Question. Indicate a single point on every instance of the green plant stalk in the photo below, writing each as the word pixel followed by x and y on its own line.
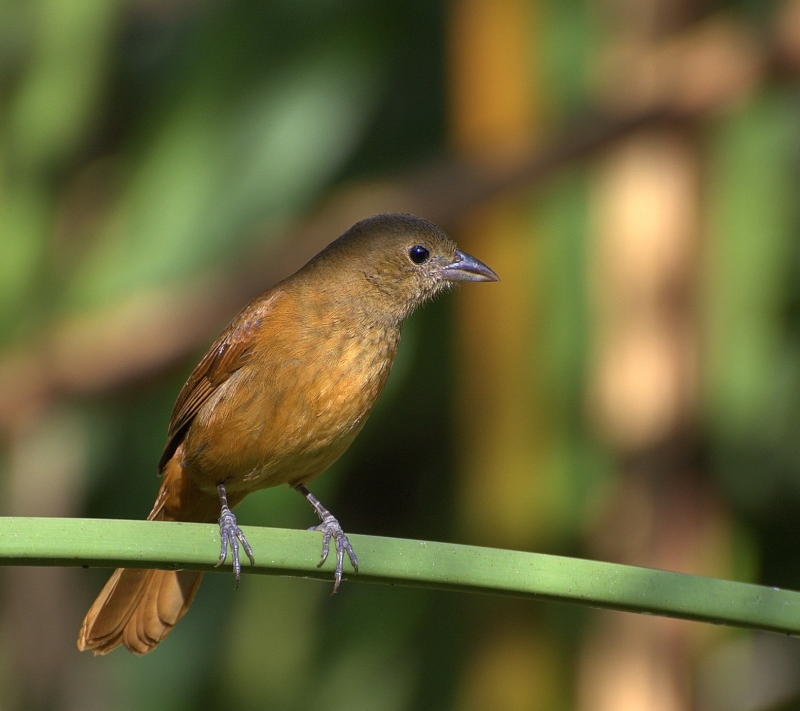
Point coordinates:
pixel 146 544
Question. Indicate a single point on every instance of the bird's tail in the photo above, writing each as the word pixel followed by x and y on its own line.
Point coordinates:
pixel 137 607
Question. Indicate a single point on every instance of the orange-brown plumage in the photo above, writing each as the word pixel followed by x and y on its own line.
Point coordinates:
pixel 278 398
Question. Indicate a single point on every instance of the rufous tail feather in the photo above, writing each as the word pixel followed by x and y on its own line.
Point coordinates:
pixel 139 607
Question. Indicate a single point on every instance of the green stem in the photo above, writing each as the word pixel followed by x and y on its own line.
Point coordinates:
pixel 100 543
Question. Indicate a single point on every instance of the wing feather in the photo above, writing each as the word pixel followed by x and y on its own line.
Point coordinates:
pixel 229 353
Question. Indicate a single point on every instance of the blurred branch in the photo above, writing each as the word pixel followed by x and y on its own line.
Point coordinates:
pixel 156 328
pixel 695 74
pixel 144 544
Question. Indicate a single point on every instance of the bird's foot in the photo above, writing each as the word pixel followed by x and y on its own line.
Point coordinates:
pixel 331 529
pixel 229 532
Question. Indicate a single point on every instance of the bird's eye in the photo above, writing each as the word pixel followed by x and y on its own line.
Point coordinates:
pixel 418 254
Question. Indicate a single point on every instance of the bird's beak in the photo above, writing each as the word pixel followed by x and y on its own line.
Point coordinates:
pixel 466 268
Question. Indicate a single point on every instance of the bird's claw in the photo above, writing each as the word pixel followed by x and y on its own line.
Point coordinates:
pixel 331 528
pixel 229 532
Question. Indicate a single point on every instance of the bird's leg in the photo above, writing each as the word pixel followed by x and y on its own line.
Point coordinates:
pixel 229 531
pixel 330 529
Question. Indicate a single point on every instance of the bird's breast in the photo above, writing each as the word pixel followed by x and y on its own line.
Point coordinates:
pixel 292 410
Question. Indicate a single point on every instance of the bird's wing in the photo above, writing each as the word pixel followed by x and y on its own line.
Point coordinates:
pixel 230 352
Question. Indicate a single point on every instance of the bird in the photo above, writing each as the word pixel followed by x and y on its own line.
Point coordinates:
pixel 279 397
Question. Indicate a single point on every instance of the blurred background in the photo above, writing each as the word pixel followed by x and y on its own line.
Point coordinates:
pixel 629 392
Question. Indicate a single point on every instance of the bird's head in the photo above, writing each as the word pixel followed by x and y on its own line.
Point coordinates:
pixel 396 262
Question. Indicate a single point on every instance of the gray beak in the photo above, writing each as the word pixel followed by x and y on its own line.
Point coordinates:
pixel 466 268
